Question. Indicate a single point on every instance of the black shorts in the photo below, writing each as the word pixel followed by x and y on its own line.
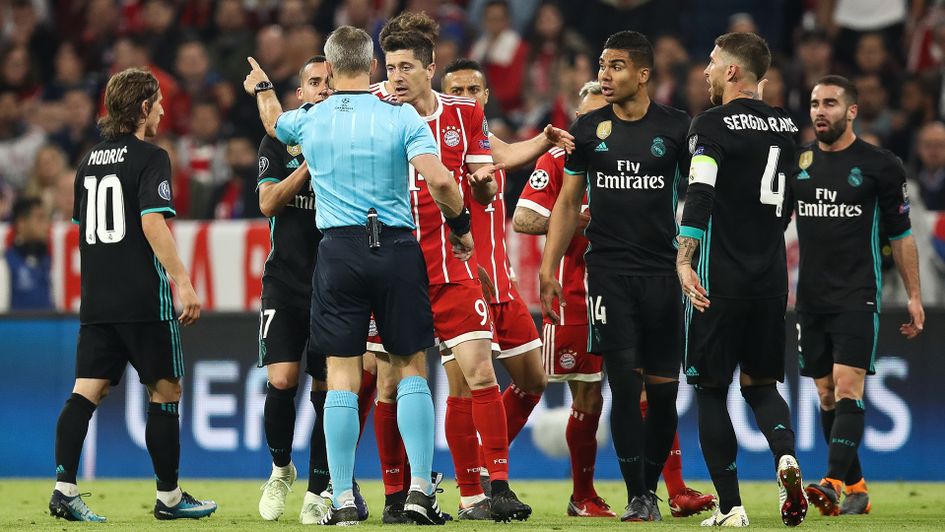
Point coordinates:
pixel 152 347
pixel 745 333
pixel 284 333
pixel 351 280
pixel 847 338
pixel 640 316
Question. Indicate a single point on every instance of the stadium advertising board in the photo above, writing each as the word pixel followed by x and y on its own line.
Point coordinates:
pixel 222 411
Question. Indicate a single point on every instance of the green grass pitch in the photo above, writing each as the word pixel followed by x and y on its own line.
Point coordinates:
pixel 128 505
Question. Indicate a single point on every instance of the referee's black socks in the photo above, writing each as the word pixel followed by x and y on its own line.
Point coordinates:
pixel 719 446
pixel 626 421
pixel 845 437
pixel 71 429
pixel 773 418
pixel 661 420
pixel 162 436
pixel 279 423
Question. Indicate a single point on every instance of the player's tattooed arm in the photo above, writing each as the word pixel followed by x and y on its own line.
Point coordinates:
pixel 529 222
pixel 688 280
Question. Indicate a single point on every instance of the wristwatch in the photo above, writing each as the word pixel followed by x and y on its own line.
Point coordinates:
pixel 262 86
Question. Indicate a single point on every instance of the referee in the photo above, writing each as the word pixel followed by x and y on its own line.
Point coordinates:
pixel 368 259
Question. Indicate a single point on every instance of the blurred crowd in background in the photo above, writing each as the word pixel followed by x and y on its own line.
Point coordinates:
pixel 56 55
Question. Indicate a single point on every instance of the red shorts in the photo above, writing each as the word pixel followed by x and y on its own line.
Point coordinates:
pixel 514 328
pixel 565 356
pixel 460 314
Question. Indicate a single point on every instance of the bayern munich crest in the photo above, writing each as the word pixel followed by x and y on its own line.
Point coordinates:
pixel 567 360
pixel 451 137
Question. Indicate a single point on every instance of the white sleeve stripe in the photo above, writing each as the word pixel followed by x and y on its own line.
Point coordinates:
pixel 479 159
pixel 704 172
pixel 531 205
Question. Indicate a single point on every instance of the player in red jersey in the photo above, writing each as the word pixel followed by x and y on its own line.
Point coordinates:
pixel 462 321
pixel 565 353
pixel 516 335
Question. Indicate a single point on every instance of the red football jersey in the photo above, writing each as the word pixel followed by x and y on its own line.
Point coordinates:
pixel 488 229
pixel 539 195
pixel 462 137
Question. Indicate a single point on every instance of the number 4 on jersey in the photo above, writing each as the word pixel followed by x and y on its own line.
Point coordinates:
pixel 771 195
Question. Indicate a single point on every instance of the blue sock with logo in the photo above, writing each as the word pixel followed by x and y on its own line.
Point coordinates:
pixel 342 427
pixel 415 421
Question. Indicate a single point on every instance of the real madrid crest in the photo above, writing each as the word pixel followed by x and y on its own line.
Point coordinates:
pixel 604 128
pixel 806 159
pixel 294 150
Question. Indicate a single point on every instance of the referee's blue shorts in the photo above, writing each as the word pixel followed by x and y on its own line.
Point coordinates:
pixel 351 280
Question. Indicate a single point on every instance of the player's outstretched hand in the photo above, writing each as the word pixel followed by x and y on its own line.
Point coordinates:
pixel 559 138
pixel 462 246
pixel 550 291
pixel 188 298
pixel 917 313
pixel 488 288
pixel 485 174
pixel 692 288
pixel 255 77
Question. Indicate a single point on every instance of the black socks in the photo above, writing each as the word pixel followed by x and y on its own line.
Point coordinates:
pixel 773 418
pixel 71 429
pixel 162 435
pixel 661 420
pixel 845 437
pixel 318 475
pixel 279 421
pixel 719 446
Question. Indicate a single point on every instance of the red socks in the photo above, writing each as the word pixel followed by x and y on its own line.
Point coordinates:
pixel 489 418
pixel 366 398
pixel 464 446
pixel 390 447
pixel 518 406
pixel 581 436
pixel 672 470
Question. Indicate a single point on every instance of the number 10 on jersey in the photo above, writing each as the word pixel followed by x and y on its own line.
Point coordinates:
pixel 97 212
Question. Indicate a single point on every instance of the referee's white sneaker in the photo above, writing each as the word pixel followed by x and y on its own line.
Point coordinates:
pixel 275 490
pixel 735 517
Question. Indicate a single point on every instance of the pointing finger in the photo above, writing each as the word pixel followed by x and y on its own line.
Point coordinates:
pixel 253 63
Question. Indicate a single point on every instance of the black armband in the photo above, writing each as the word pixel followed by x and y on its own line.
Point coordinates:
pixel 460 224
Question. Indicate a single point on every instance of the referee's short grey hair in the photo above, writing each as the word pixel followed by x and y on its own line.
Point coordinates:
pixel 349 51
pixel 591 87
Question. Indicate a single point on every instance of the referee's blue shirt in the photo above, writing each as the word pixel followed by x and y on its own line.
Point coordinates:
pixel 357 148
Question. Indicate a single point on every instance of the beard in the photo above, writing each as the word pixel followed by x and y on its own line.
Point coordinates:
pixel 715 94
pixel 832 133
